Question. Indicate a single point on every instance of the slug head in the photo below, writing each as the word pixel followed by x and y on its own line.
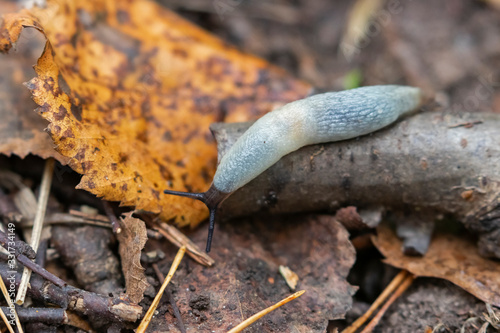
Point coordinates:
pixel 212 199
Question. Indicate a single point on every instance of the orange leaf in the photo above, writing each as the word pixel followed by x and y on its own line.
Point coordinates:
pixel 130 89
pixel 12 25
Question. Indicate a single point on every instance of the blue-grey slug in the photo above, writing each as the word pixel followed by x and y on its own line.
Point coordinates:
pixel 327 117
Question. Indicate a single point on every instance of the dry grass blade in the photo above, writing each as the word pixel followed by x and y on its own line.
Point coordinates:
pixel 493 318
pixel 147 318
pixel 6 321
pixel 401 289
pixel 37 224
pixel 11 305
pixel 483 328
pixel 396 281
pixel 244 324
pixel 178 238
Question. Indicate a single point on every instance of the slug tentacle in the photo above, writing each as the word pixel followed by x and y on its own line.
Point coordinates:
pixel 320 118
pixel 212 199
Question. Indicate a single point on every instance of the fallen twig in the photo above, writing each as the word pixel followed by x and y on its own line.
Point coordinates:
pixel 20 248
pixel 66 218
pixel 96 217
pixel 42 315
pixel 99 309
pixel 178 238
pixel 112 217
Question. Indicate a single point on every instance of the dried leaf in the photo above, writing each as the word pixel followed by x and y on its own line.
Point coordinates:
pixel 21 129
pixel 132 239
pixel 12 26
pixel 290 276
pixel 246 277
pixel 130 89
pixel 449 257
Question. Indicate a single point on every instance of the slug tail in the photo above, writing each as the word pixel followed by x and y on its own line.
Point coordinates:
pixel 212 199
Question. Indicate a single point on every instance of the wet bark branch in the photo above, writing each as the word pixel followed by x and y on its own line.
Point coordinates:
pixel 444 163
pixel 23 253
pixel 99 308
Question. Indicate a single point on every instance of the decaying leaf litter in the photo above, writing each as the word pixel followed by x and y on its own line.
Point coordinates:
pixel 412 76
pixel 139 93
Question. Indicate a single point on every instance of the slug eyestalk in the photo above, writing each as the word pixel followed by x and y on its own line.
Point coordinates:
pixel 212 199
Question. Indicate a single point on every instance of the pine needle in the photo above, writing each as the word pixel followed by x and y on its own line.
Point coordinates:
pixel 396 281
pixel 244 324
pixel 6 321
pixel 399 291
pixel 149 315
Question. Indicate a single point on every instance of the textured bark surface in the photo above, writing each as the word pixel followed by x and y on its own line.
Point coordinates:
pixel 442 162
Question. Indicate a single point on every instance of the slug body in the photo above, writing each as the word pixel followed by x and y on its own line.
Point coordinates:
pixel 320 118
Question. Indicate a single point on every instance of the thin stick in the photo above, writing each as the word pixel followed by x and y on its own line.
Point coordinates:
pixel 19 249
pixel 97 217
pixel 247 322
pixel 147 318
pixel 171 299
pixel 401 289
pixel 26 262
pixel 112 217
pixel 37 224
pixel 396 281
pixel 65 218
pixel 5 293
pixel 178 238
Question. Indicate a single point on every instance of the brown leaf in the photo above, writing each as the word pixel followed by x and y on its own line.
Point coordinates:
pixel 132 239
pixel 21 129
pixel 12 26
pixel 449 257
pixel 130 89
pixel 246 277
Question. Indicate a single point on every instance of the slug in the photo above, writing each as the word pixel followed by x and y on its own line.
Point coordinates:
pixel 327 117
